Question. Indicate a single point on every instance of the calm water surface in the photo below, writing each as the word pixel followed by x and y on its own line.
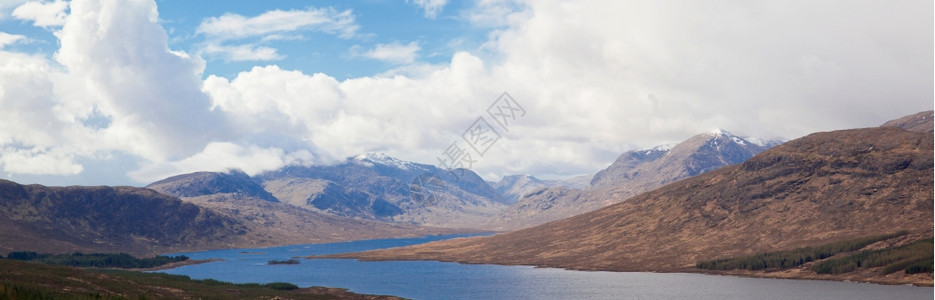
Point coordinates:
pixel 438 280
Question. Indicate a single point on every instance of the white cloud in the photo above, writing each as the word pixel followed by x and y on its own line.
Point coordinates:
pixel 39 162
pixel 30 132
pixel 246 52
pixel 117 56
pixel 496 13
pixel 595 77
pixel 9 39
pixel 220 157
pixel 115 86
pixel 221 32
pixel 43 14
pixel 234 26
pixel 6 6
pixel 414 117
pixel 431 7
pixel 392 52
pixel 599 78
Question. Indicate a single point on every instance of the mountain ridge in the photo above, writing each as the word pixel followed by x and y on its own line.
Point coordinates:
pixel 920 122
pixel 136 220
pixel 378 187
pixel 633 172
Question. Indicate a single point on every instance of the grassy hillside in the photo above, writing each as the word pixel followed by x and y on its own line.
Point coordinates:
pixel 26 280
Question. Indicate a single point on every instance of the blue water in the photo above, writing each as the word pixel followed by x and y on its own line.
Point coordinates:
pixel 438 280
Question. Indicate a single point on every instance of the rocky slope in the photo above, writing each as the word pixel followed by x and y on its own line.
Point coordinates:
pixel 632 173
pixel 208 183
pixel 824 187
pixel 920 122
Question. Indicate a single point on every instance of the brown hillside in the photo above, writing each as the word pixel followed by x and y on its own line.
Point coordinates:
pixel 821 188
pixel 144 222
pixel 275 223
pixel 921 122
pixel 124 219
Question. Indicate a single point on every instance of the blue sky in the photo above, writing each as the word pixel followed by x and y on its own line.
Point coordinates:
pixel 437 37
pixel 379 22
pixel 130 92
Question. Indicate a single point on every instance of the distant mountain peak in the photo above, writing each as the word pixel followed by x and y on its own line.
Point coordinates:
pixel 743 141
pixel 719 132
pixel 382 159
pixel 659 148
pixel 649 168
pixel 762 142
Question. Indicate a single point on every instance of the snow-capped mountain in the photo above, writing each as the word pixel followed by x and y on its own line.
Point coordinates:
pixel 660 165
pixel 379 187
pixel 632 173
pixel 385 160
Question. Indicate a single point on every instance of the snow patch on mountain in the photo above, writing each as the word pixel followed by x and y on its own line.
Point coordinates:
pixel 382 159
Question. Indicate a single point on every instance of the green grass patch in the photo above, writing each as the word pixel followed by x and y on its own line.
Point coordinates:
pixel 31 280
pixel 778 260
pixel 97 260
pixel 915 257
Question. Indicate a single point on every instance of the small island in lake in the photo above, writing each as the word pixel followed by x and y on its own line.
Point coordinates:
pixel 283 262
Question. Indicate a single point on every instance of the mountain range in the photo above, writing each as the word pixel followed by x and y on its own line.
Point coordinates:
pixel 824 187
pixel 632 173
pixel 218 210
pixel 378 187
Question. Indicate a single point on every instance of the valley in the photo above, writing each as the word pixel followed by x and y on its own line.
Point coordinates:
pixel 821 188
pixel 662 209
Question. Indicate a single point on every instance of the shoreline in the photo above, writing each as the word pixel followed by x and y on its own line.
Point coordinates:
pixel 174 265
pixel 784 274
pixel 853 279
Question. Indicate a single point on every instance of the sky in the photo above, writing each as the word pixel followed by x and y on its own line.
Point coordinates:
pixel 101 92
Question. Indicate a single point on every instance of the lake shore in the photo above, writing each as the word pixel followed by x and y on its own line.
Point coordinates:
pixel 802 273
pixel 864 276
pixel 177 264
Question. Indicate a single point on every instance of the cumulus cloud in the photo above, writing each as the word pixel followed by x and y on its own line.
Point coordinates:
pixel 30 131
pixel 6 6
pixel 42 14
pixel 431 7
pixel 223 156
pixel 344 118
pixel 393 52
pixel 118 54
pixel 598 79
pixel 114 86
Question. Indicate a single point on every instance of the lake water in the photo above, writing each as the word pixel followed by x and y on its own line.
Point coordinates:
pixel 438 280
